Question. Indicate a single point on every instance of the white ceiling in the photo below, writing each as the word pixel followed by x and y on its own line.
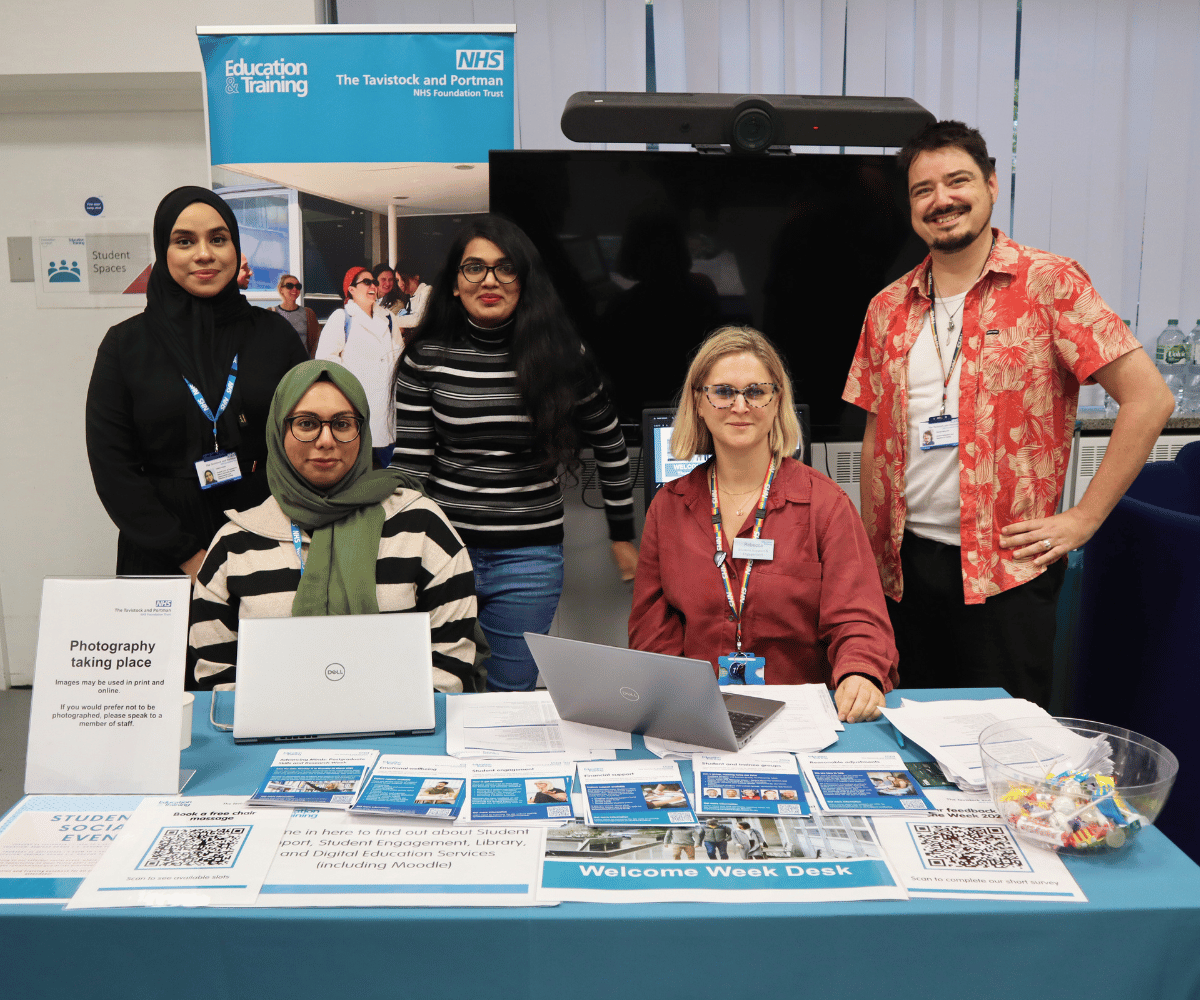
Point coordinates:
pixel 418 188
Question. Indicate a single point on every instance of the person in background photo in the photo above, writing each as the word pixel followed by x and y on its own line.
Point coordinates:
pixel 716 840
pixel 412 292
pixel 363 337
pixel 303 320
pixel 749 841
pixel 495 396
pixel 389 295
pixel 810 601
pixel 333 538
pixel 166 404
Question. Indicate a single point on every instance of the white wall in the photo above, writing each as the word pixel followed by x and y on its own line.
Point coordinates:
pixel 79 116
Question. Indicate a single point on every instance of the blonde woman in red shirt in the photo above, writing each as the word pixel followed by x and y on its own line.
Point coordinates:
pixel 755 553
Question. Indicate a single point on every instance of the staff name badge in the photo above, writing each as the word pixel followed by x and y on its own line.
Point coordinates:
pixel 754 548
pixel 938 432
pixel 741 668
pixel 217 468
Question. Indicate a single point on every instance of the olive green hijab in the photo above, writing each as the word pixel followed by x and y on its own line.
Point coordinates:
pixel 345 521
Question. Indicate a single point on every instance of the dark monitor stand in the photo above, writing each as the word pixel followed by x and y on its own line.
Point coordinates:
pixel 658 467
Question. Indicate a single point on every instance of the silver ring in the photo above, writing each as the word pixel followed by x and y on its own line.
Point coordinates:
pixel 1047 544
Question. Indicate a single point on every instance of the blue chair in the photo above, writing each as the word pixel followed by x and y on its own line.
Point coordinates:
pixel 1137 660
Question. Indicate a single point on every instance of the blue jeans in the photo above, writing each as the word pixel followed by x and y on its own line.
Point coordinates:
pixel 518 591
pixel 383 455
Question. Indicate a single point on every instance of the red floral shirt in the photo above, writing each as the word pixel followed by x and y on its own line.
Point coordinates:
pixel 1034 329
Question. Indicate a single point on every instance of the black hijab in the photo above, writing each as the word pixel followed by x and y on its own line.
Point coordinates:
pixel 201 335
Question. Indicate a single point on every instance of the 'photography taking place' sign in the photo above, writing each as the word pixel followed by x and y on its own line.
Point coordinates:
pixel 106 706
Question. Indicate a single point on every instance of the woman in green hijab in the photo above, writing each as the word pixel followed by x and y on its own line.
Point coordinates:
pixel 334 538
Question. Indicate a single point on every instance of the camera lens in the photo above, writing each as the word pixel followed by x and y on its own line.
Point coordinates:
pixel 752 130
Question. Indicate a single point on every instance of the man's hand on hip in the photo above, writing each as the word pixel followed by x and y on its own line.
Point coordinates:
pixel 1064 532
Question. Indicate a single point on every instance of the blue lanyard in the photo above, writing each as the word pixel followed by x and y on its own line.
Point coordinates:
pixel 296 543
pixel 224 399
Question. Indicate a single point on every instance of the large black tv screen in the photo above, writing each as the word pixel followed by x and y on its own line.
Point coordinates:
pixel 652 250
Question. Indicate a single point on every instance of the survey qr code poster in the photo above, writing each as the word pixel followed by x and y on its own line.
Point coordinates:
pixel 968 847
pixel 195 847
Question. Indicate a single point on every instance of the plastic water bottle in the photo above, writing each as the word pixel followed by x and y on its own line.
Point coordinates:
pixel 1191 388
pixel 1171 355
pixel 1111 406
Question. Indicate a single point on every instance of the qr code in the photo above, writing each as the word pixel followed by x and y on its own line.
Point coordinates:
pixel 913 804
pixel 558 810
pixel 790 809
pixel 439 813
pixel 196 847
pixel 680 817
pixel 947 846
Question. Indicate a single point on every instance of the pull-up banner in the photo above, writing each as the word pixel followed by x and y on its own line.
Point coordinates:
pixel 358 94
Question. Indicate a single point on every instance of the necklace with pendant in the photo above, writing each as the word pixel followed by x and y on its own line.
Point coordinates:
pixel 738 512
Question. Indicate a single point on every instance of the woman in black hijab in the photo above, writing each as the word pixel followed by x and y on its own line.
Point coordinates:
pixel 178 401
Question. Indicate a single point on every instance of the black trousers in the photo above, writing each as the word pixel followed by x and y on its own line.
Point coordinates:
pixel 1008 641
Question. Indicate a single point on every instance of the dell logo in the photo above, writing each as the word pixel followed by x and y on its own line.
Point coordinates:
pixel 335 671
pixel 479 59
pixel 629 694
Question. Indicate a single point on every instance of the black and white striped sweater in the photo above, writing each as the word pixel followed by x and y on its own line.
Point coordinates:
pixel 252 571
pixel 461 422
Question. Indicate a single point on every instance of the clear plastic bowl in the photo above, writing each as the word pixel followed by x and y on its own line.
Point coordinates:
pixel 1018 757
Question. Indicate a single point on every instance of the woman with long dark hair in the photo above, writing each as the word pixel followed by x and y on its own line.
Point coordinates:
pixel 495 396
pixel 177 405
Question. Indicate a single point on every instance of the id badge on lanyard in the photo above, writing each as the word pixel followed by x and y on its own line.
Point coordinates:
pixel 217 467
pixel 741 666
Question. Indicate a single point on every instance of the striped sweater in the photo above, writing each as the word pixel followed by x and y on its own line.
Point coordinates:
pixel 461 423
pixel 252 571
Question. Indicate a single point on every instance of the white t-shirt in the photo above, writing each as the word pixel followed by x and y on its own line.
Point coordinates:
pixel 931 477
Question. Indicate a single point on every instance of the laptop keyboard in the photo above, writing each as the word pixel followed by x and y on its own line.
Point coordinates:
pixel 743 723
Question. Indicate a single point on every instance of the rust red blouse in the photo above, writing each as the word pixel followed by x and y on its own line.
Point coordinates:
pixel 815 612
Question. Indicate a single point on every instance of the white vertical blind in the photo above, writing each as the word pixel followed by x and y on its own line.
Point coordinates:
pixel 1108 151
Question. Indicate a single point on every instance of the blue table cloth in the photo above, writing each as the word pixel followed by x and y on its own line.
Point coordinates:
pixel 1137 936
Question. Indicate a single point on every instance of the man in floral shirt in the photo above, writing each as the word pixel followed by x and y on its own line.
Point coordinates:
pixel 971 408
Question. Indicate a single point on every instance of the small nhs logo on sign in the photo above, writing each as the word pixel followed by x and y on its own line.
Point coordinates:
pixel 479 59
pixel 162 604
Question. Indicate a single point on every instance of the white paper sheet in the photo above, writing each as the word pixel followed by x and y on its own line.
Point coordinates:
pixel 204 850
pixel 949 730
pixel 506 725
pixel 49 843
pixel 939 859
pixel 337 859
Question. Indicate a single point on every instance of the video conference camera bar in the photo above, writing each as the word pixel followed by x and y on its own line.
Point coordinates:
pixel 745 123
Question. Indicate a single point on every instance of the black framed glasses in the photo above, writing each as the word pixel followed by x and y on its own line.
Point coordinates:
pixel 306 428
pixel 365 281
pixel 756 394
pixel 475 271
pixel 293 286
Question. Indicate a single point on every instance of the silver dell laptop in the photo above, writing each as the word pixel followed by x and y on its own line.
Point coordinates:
pixel 333 677
pixel 670 697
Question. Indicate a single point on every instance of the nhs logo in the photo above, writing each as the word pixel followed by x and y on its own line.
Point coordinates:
pixel 479 59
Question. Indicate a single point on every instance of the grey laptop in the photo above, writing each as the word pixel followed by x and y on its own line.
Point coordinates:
pixel 332 677
pixel 670 697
